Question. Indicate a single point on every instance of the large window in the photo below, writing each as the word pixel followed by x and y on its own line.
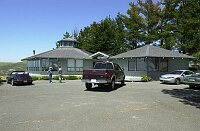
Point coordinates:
pixel 75 65
pixel 153 64
pixel 79 65
pixel 45 64
pixel 71 65
pixel 163 66
pixel 33 65
pixel 132 64
pixel 137 64
pixel 53 62
pixel 158 64
pixel 141 64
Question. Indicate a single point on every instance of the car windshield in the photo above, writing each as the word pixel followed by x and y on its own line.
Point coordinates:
pixel 103 66
pixel 177 72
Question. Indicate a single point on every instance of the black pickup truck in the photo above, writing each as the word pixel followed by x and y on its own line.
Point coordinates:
pixel 104 73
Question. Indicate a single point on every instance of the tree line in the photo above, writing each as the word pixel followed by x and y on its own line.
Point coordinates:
pixel 167 23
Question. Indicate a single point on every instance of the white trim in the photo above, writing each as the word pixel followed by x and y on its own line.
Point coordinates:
pixel 100 54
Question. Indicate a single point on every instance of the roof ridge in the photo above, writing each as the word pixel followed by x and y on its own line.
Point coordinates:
pixel 147 50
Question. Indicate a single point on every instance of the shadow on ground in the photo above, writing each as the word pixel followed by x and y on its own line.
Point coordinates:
pixel 188 96
pixel 1 83
pixel 105 88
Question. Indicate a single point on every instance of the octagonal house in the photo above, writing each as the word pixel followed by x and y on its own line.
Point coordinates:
pixel 67 55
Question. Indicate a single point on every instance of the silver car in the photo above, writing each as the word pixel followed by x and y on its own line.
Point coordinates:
pixel 175 77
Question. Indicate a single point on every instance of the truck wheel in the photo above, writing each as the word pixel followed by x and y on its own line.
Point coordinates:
pixel 88 86
pixel 123 82
pixel 112 85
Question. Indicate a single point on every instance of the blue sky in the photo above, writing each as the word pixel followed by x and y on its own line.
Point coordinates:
pixel 27 25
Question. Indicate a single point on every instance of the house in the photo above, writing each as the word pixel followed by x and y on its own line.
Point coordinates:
pixel 72 60
pixel 151 61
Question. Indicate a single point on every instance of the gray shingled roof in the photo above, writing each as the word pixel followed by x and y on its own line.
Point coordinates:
pixel 151 51
pixel 63 52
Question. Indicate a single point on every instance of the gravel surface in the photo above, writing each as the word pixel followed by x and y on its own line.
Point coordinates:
pixel 68 106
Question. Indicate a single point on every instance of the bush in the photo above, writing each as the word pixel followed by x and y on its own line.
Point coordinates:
pixel 34 78
pixel 56 77
pixel 71 77
pixel 44 78
pixel 146 78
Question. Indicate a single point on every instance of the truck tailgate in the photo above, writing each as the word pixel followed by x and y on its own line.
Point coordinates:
pixel 94 74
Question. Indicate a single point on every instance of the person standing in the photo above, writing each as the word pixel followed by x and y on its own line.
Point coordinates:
pixel 60 74
pixel 50 72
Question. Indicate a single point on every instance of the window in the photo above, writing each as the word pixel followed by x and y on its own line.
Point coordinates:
pixel 79 65
pixel 153 64
pixel 71 65
pixel 158 64
pixel 163 65
pixel 75 65
pixel 45 64
pixel 33 65
pixel 137 64
pixel 53 63
pixel 141 64
pixel 132 64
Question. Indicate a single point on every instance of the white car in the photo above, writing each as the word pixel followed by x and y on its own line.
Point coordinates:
pixel 175 77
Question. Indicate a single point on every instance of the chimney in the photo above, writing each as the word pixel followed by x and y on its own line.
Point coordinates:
pixel 33 52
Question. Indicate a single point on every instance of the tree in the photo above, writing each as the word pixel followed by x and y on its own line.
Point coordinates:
pixel 106 36
pixel 142 22
pixel 67 35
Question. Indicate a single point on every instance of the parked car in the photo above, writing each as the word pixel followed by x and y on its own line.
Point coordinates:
pixel 193 80
pixel 175 77
pixel 103 73
pixel 19 77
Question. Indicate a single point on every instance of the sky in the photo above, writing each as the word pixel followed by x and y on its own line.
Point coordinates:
pixel 27 25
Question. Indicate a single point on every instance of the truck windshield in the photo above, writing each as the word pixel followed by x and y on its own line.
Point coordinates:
pixel 103 66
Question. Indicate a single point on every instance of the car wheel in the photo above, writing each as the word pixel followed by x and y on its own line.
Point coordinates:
pixel 191 86
pixel 7 81
pixel 88 86
pixel 112 85
pixel 177 81
pixel 12 82
pixel 123 82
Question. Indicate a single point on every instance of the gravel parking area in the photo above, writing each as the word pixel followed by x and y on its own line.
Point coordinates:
pixel 68 106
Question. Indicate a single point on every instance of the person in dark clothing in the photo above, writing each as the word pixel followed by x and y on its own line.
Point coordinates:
pixel 50 72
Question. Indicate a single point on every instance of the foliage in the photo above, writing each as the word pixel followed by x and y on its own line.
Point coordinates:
pixel 71 77
pixel 34 78
pixel 143 21
pixel 56 77
pixel 107 33
pixel 182 25
pixel 168 23
pixel 146 78
pixel 6 67
pixel 44 78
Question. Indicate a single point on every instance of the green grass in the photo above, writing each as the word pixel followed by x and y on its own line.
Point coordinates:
pixel 6 67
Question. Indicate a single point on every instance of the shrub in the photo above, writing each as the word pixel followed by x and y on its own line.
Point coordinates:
pixel 34 78
pixel 146 78
pixel 56 77
pixel 0 78
pixel 70 77
pixel 44 78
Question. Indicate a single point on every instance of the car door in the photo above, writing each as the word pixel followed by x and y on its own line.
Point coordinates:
pixel 186 73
